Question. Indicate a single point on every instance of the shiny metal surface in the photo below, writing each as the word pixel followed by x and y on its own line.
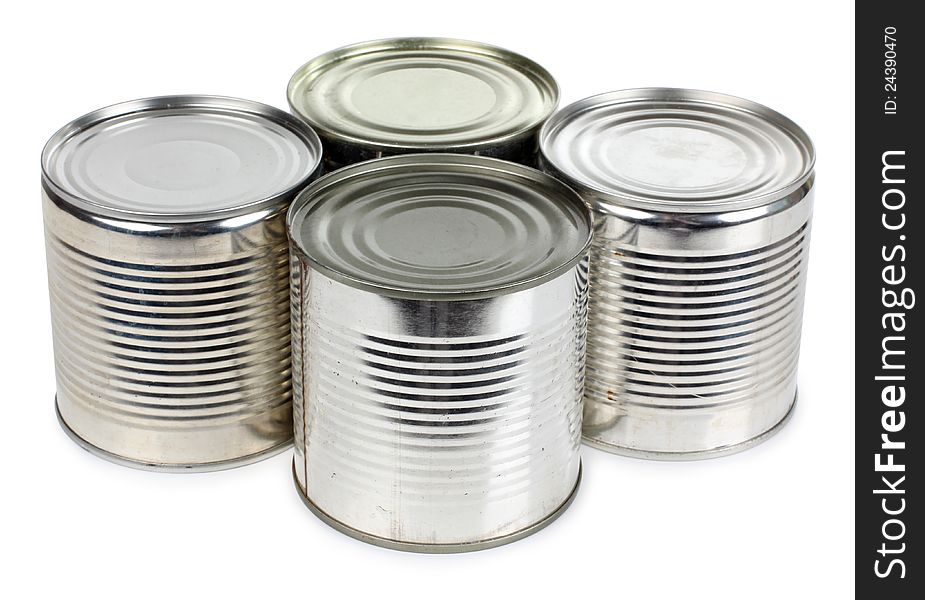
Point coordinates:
pixel 427 548
pixel 407 95
pixel 440 226
pixel 438 417
pixel 168 467
pixel 169 289
pixel 703 205
pixel 180 158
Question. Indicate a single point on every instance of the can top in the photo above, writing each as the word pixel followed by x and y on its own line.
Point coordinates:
pixel 423 94
pixel 440 226
pixel 677 151
pixel 180 158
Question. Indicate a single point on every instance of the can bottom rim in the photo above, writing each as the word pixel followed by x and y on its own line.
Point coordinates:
pixel 424 548
pixel 168 467
pixel 697 454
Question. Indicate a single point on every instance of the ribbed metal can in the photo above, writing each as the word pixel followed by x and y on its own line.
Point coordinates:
pixel 702 206
pixel 168 278
pixel 410 95
pixel 439 311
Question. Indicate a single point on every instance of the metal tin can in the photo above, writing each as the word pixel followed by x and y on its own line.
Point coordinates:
pixel 439 314
pixel 409 95
pixel 702 207
pixel 168 278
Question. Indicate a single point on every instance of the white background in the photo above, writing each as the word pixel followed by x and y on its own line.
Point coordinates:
pixel 776 521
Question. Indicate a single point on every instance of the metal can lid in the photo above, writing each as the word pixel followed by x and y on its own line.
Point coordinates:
pixel 180 158
pixel 440 226
pixel 677 151
pixel 427 94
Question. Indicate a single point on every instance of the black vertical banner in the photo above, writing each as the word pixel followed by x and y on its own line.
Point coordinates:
pixel 888 270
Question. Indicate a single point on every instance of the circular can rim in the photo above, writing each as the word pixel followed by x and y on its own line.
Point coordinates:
pixel 305 199
pixel 435 548
pixel 693 455
pixel 156 467
pixel 202 101
pixel 642 208
pixel 512 59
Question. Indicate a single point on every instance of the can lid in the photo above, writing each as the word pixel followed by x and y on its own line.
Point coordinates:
pixel 677 151
pixel 422 94
pixel 180 158
pixel 440 226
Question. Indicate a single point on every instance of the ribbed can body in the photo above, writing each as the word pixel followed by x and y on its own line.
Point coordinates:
pixel 165 233
pixel 702 210
pixel 694 331
pixel 171 341
pixel 437 425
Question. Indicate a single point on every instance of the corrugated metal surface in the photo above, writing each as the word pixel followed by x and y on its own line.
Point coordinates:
pixel 702 205
pixel 437 439
pixel 180 356
pixel 168 277
pixel 689 346
pixel 439 323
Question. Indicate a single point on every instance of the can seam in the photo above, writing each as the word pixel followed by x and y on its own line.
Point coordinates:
pixel 143 105
pixel 630 205
pixel 209 467
pixel 351 50
pixel 698 454
pixel 424 548
pixel 451 159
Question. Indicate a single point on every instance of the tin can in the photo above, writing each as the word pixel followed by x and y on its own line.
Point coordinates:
pixel 439 314
pixel 702 206
pixel 168 278
pixel 411 95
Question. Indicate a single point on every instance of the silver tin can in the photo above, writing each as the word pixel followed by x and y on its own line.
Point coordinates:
pixel 439 314
pixel 168 277
pixel 702 208
pixel 409 95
